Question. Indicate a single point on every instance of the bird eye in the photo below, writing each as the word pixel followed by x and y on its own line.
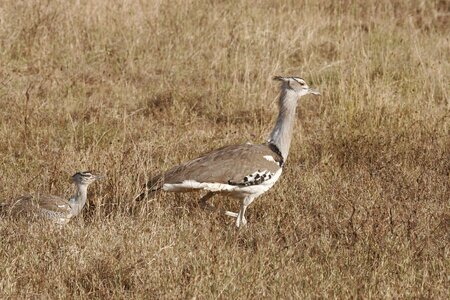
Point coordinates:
pixel 300 81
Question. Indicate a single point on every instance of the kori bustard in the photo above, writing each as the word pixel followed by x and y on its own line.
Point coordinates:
pixel 54 208
pixel 241 171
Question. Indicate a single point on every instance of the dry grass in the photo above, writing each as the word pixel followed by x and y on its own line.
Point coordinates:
pixel 132 87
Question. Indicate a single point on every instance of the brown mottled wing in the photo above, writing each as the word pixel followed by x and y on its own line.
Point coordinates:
pixel 34 204
pixel 224 165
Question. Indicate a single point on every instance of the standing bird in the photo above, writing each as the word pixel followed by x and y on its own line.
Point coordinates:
pixel 240 171
pixel 51 207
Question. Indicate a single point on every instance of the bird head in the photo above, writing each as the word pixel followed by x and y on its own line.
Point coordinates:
pixel 85 178
pixel 296 84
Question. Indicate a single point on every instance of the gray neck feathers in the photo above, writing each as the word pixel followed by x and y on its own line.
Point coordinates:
pixel 78 200
pixel 281 135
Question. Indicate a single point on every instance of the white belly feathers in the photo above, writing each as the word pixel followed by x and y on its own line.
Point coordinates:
pixel 233 190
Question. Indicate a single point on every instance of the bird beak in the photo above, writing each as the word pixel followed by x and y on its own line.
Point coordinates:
pixel 314 91
pixel 97 177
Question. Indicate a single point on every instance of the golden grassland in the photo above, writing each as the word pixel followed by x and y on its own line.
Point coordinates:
pixel 129 88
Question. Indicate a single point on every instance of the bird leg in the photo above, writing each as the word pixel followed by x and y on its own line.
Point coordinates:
pixel 231 214
pixel 204 202
pixel 241 220
pixel 206 205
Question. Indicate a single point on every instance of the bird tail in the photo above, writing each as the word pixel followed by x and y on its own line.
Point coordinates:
pixel 144 195
pixel 154 185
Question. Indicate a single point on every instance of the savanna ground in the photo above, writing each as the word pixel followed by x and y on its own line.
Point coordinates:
pixel 128 88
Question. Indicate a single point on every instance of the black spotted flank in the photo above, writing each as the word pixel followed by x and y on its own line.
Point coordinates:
pixel 253 179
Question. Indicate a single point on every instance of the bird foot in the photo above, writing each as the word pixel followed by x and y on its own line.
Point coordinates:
pixel 231 214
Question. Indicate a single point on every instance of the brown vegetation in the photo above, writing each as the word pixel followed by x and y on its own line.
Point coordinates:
pixel 132 87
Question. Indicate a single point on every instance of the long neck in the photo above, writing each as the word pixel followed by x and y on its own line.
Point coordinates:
pixel 281 135
pixel 78 200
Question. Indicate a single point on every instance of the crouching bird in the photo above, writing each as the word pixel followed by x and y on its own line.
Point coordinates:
pixel 54 208
pixel 241 171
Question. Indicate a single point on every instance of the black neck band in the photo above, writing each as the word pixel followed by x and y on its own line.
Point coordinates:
pixel 275 149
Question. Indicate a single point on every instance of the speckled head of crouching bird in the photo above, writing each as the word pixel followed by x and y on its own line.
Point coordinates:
pixel 241 171
pixel 54 208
